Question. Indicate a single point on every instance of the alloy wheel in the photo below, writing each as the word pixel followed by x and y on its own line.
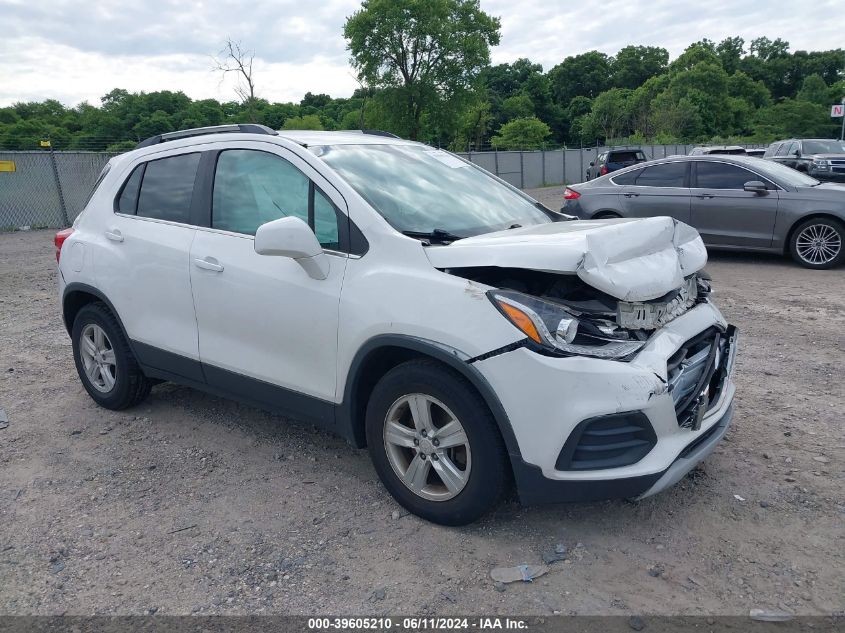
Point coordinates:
pixel 98 358
pixel 818 244
pixel 427 447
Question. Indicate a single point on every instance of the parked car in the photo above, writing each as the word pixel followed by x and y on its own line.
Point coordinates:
pixel 756 153
pixel 717 149
pixel 735 203
pixel 613 160
pixel 823 159
pixel 408 301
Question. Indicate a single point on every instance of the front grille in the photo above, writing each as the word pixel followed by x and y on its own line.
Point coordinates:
pixel 608 441
pixel 697 374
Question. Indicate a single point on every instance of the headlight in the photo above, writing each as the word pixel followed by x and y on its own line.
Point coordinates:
pixel 549 324
pixel 821 163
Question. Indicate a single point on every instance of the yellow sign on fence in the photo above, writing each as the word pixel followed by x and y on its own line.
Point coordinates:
pixel 7 165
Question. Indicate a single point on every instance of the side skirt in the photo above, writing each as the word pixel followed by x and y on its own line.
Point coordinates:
pixel 163 365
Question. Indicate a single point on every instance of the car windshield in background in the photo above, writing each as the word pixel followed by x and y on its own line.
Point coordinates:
pixel 782 174
pixel 824 147
pixel 421 189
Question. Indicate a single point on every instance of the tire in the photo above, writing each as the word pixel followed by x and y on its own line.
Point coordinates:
pixel 818 243
pixel 478 470
pixel 114 385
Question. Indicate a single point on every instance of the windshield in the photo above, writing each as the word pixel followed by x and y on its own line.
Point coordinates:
pixel 420 189
pixel 782 174
pixel 824 147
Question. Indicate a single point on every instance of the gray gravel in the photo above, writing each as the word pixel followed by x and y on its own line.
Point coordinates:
pixel 193 504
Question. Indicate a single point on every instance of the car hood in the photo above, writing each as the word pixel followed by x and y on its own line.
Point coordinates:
pixel 827 156
pixel 632 260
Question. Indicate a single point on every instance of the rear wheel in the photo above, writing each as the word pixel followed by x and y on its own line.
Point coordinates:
pixel 435 444
pixel 818 243
pixel 105 363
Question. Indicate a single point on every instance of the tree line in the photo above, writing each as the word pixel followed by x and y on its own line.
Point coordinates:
pixel 425 73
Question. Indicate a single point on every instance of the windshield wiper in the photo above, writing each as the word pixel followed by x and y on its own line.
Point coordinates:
pixel 436 235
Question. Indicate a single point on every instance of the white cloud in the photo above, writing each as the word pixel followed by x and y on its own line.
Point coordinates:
pixel 77 52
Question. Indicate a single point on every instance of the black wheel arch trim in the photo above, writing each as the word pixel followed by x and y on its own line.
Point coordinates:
pixel 76 286
pixel 449 356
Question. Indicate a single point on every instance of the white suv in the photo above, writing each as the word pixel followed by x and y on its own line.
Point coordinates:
pixel 409 301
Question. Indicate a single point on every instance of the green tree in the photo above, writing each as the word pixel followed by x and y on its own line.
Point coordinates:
pixel 814 90
pixel 609 117
pixel 517 107
pixel 526 133
pixel 427 49
pixel 730 51
pixel 307 122
pixel 584 75
pixel 633 65
pixel 794 118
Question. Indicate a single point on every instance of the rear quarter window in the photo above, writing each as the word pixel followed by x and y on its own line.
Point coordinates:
pixel 627 178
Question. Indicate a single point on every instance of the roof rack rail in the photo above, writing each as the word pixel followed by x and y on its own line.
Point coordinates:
pixel 379 133
pixel 246 128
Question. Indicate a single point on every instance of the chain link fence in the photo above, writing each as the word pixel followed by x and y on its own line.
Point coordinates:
pixel 48 189
pixel 44 189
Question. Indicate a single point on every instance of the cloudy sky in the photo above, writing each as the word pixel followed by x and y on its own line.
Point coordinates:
pixel 78 51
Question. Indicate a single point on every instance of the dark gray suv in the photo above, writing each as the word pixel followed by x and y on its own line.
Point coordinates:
pixel 735 203
pixel 821 158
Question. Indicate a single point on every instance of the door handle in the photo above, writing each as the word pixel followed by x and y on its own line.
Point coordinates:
pixel 114 235
pixel 630 195
pixel 706 195
pixel 209 263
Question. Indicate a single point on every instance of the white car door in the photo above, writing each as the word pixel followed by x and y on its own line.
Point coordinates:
pixel 267 330
pixel 142 264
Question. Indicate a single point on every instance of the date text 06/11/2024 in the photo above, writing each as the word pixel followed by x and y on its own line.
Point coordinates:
pixel 415 624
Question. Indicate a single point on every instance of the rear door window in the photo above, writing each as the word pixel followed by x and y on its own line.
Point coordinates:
pixel 167 188
pixel 663 175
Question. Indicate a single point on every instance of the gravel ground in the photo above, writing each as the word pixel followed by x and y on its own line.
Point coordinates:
pixel 190 503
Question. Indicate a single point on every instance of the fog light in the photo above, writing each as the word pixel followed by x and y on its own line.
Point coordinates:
pixel 567 329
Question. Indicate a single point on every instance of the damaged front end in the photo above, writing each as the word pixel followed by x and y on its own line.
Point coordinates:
pixel 562 315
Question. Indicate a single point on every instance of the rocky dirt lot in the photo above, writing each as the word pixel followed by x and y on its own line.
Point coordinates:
pixel 193 504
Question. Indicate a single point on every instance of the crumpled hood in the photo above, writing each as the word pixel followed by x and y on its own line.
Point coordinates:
pixel 630 259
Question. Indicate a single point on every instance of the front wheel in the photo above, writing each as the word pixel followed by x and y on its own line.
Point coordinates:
pixel 818 243
pixel 434 443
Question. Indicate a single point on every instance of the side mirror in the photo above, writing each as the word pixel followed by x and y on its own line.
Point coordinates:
pixel 291 237
pixel 794 153
pixel 755 186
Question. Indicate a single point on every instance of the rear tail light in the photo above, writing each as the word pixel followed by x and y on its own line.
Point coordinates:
pixel 570 194
pixel 603 170
pixel 60 238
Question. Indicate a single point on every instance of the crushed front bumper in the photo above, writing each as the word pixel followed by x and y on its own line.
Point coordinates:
pixel 548 399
